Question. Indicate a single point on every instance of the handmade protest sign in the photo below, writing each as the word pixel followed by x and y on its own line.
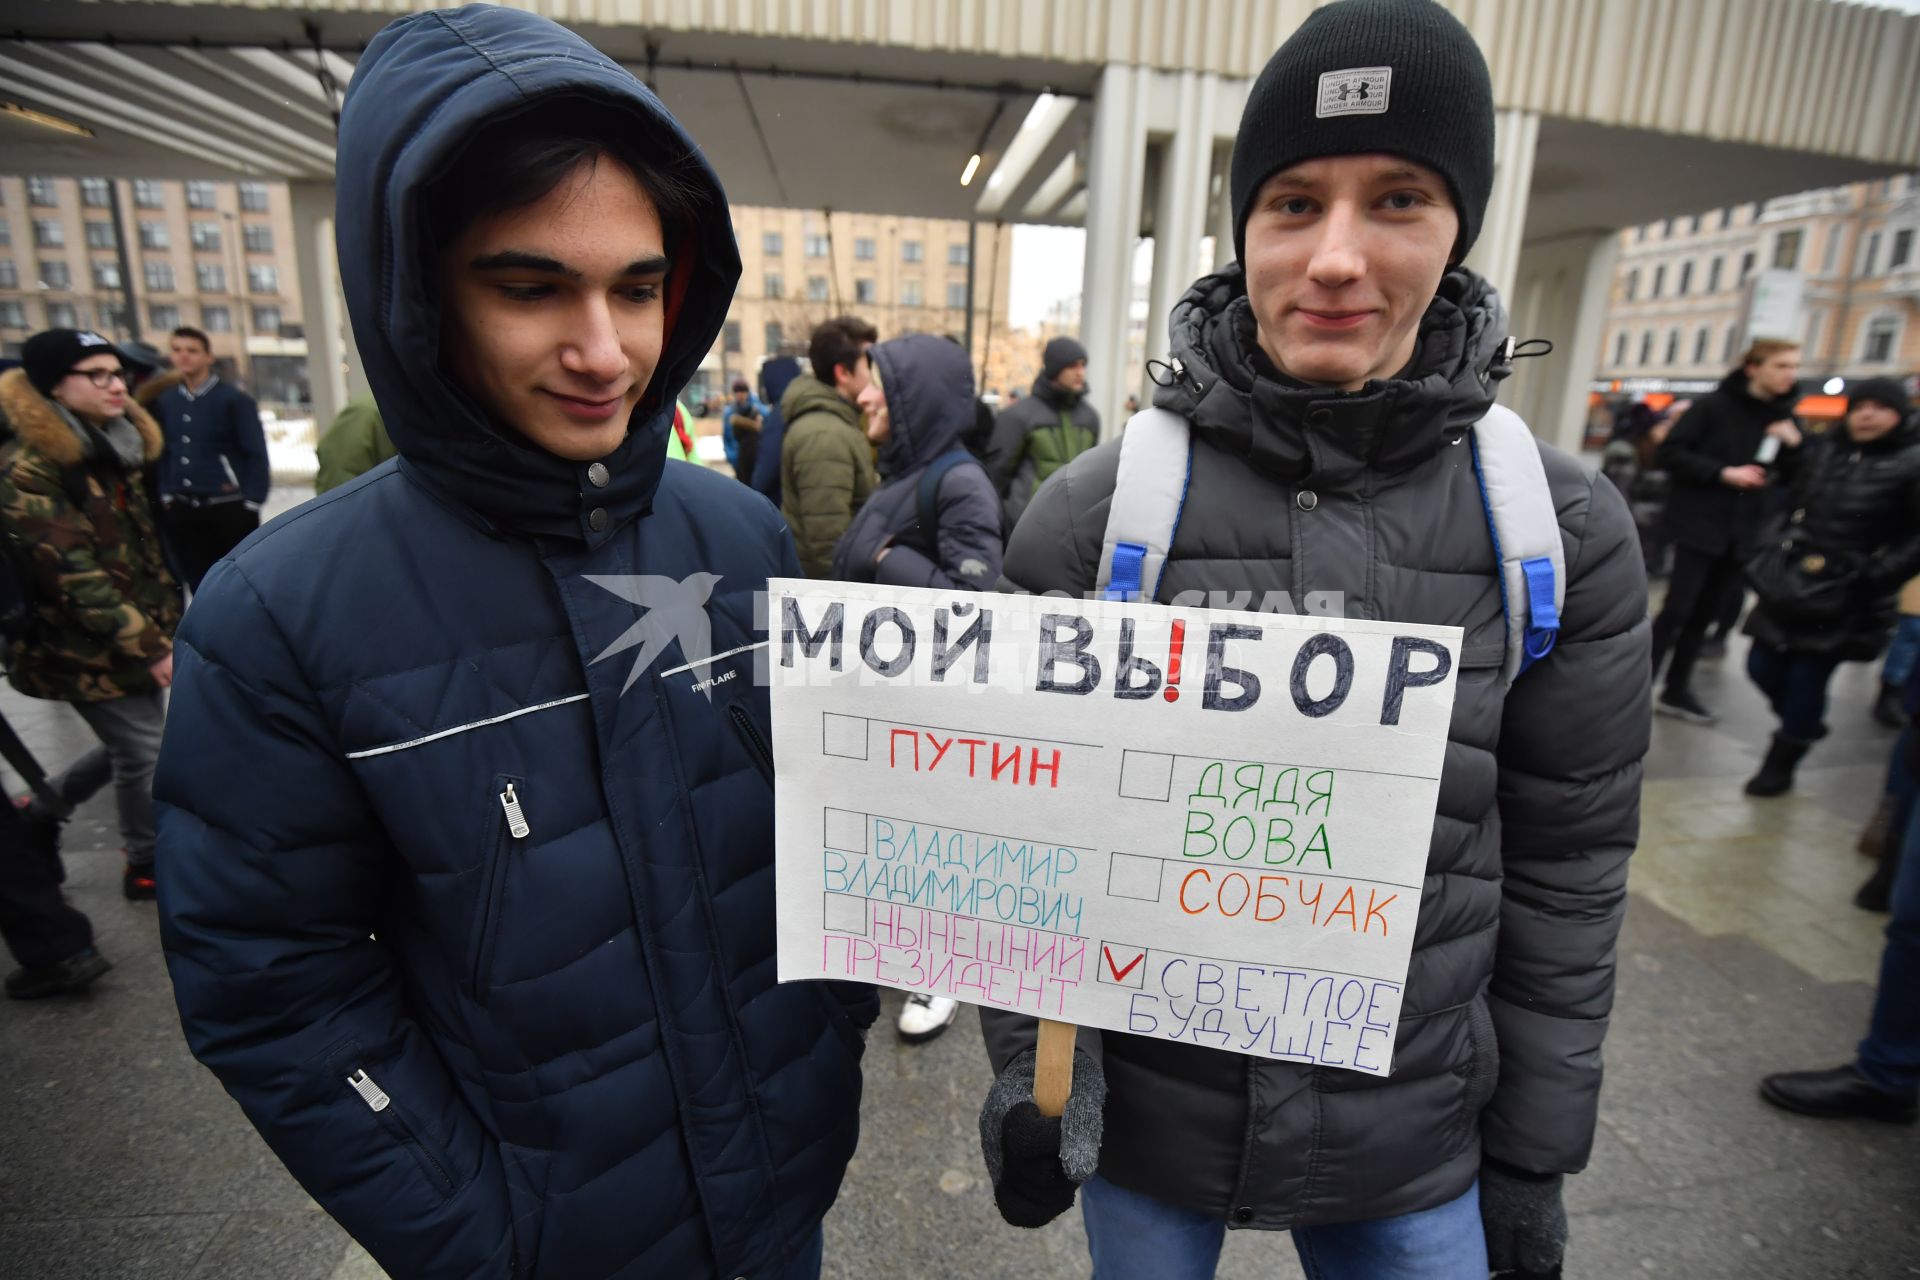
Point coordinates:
pixel 1201 825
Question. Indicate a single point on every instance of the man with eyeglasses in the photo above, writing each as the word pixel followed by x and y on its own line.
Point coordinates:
pixel 80 541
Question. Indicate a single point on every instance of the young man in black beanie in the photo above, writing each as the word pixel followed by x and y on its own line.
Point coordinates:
pixel 1324 383
pixel 1035 437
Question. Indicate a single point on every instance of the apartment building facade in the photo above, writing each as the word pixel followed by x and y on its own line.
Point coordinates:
pixel 1682 288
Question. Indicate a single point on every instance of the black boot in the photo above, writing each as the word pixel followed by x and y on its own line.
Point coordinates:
pixel 1873 837
pixel 1776 772
pixel 1877 893
pixel 1838 1093
pixel 1888 708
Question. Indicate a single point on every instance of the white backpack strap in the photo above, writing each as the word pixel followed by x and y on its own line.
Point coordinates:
pixel 1156 461
pixel 1526 536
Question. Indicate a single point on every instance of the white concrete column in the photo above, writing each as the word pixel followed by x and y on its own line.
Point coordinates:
pixel 1180 211
pixel 1560 293
pixel 330 351
pixel 1116 170
pixel 1496 254
pixel 1222 211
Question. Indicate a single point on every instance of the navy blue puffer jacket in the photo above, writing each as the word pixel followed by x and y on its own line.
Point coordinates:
pixel 468 903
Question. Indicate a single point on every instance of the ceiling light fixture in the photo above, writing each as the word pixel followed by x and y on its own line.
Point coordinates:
pixel 42 118
pixel 973 167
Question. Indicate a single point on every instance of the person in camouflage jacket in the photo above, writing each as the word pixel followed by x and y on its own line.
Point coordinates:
pixel 80 535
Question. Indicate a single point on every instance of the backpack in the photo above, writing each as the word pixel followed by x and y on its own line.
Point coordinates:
pixel 928 492
pixel 1156 464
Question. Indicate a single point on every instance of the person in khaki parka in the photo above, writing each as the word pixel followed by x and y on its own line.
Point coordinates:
pixel 78 524
pixel 826 465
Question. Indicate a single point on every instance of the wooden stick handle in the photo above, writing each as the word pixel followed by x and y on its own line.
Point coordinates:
pixel 1053 1072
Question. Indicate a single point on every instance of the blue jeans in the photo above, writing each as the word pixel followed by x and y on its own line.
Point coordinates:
pixel 1902 653
pixel 1136 1237
pixel 1796 685
pixel 1889 1058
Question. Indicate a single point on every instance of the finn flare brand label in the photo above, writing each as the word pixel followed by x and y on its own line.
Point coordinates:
pixel 1357 91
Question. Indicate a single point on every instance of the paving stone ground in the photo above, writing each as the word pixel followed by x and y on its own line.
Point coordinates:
pixel 1742 954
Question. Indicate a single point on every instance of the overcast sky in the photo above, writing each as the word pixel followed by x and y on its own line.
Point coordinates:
pixel 1047 260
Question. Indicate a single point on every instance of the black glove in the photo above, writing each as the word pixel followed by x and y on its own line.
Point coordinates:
pixel 1525 1221
pixel 1037 1162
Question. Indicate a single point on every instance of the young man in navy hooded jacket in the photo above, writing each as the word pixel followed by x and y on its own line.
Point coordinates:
pixel 471 835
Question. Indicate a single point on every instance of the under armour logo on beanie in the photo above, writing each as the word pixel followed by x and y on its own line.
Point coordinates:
pixel 1392 77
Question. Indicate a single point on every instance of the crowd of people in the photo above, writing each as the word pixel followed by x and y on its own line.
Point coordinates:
pixel 473 914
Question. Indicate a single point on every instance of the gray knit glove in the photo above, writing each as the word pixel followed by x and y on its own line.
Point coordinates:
pixel 1525 1221
pixel 1037 1162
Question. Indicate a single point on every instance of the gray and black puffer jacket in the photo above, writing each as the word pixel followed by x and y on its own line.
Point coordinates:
pixel 1372 494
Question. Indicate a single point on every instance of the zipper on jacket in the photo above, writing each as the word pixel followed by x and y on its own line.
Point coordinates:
pixel 395 1124
pixel 516 817
pixel 756 743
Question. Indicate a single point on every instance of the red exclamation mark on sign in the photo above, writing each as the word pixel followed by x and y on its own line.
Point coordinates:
pixel 1172 693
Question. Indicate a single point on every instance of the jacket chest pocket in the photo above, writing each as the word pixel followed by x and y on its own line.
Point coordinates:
pixel 507 835
pixel 758 749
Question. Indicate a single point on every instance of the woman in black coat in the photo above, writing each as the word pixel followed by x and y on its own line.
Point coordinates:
pixel 1856 505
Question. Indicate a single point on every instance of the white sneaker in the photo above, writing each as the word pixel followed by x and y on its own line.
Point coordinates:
pixel 926 1017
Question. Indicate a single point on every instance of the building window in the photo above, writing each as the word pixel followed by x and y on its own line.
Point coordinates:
pixel 206 236
pixel 730 337
pixel 106 275
pixel 258 238
pixel 1816 320
pixel 253 198
pixel 266 320
pixel 99 235
pixel 816 288
pixel 1880 339
pixel 209 277
pixel 1786 249
pixel 956 255
pixel 910 295
pixel 96 193
pixel 1726 218
pixel 1713 275
pixel 146 193
pixel 912 251
pixel 1619 349
pixel 1673 347
pixel 957 297
pixel 1686 278
pixel 6 233
pixel 1902 250
pixel 164 316
pixel 263 280
pixel 55 275
pixel 153 235
pixel 863 249
pixel 216 319
pixel 1746 268
pixel 62 315
pixel 13 314
pixel 817 246
pixel 774 336
pixel 1646 348
pixel 199 195
pixel 159 276
pixel 1633 283
pixel 863 291
pixel 775 287
pixel 1700 341
pixel 771 244
pixel 48 233
pixel 1726 348
pixel 1871 255
pixel 42 194
pixel 113 317
pixel 9 274
pixel 1693 228
pixel 1659 280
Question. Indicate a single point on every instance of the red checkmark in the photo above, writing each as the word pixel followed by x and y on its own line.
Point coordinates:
pixel 1119 974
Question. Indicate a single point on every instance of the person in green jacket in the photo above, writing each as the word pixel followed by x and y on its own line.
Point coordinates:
pixel 1037 436
pixel 826 464
pixel 356 443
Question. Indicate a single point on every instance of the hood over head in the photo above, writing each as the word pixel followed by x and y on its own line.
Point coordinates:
pixel 776 375
pixel 423 88
pixel 928 381
pixel 1231 392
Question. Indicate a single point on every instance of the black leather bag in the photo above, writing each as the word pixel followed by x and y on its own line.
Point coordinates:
pixel 1795 579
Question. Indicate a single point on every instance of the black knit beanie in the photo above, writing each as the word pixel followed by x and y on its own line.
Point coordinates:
pixel 1885 391
pixel 1060 353
pixel 1400 77
pixel 50 355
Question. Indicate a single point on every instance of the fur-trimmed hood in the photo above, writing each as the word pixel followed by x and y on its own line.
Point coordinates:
pixel 26 413
pixel 156 386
